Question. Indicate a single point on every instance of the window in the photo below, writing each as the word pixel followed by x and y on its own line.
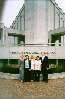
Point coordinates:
pixel 0 33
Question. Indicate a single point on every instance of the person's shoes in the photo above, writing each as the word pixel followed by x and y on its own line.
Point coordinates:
pixel 46 81
pixel 32 80
pixel 22 81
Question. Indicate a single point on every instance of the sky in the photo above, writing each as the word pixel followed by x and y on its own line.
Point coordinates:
pixel 12 8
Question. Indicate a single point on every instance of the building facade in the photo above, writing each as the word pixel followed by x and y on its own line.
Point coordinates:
pixel 38 22
pixel 37 18
pixel 10 37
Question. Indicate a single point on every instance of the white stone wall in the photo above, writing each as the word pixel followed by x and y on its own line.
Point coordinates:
pixel 51 16
pixel 61 19
pixel 57 18
pixel 18 23
pixel 36 21
pixel 30 15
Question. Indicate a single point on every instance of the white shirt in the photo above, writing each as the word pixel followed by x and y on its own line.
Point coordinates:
pixel 32 64
pixel 26 63
pixel 37 65
pixel 43 57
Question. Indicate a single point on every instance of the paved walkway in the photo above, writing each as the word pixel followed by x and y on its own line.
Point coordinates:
pixel 16 76
pixel 8 76
pixel 56 75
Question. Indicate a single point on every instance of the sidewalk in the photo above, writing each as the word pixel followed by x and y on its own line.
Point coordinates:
pixel 56 75
pixel 16 76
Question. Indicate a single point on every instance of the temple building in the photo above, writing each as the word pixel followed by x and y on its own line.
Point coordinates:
pixel 40 21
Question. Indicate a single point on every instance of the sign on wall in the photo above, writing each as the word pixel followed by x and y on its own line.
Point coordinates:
pixel 57 52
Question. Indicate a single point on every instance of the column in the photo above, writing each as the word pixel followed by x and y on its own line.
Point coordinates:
pixel 36 21
pixel 57 43
pixel 62 40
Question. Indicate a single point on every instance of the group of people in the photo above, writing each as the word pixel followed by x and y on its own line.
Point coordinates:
pixel 34 66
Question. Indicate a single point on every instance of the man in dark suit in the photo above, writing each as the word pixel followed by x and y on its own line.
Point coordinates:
pixel 45 66
pixel 27 66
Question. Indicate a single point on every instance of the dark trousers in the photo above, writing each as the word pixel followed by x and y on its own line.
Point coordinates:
pixel 45 75
pixel 32 74
pixel 26 75
pixel 36 75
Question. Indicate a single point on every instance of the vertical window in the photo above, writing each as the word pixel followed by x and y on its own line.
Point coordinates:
pixel 17 26
pixel 0 33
